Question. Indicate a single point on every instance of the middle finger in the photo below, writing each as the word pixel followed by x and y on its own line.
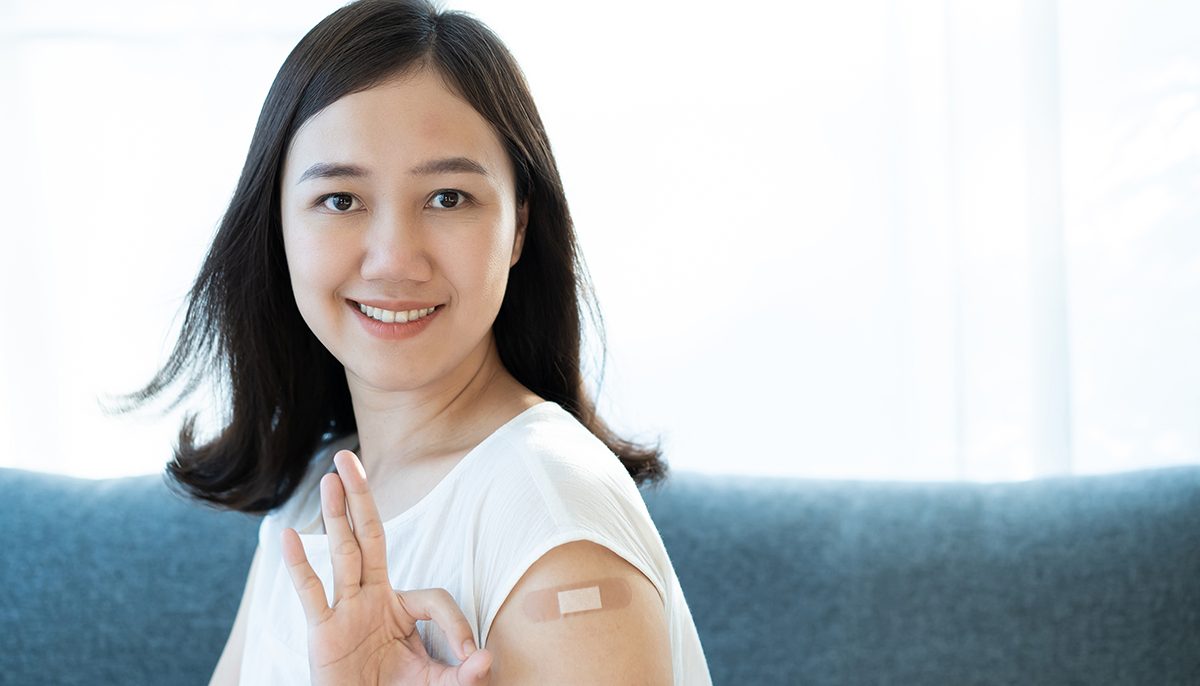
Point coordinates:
pixel 343 548
pixel 367 526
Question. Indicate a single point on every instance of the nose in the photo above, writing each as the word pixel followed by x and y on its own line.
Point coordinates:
pixel 396 249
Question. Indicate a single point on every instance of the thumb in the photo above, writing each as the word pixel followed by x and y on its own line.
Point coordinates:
pixel 476 670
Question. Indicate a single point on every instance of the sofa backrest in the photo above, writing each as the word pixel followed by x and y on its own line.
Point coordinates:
pixel 790 581
pixel 1080 580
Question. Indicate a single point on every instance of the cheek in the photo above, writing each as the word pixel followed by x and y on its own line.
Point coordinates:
pixel 299 266
pixel 312 266
pixel 475 259
pixel 494 261
pixel 500 248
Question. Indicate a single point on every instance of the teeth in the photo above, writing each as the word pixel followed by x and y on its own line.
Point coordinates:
pixel 388 316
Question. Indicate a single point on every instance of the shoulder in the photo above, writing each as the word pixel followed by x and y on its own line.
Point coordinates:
pixel 551 430
pixel 552 442
pixel 581 613
pixel 570 531
pixel 551 470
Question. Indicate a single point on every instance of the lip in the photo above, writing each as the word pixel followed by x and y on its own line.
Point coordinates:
pixel 394 305
pixel 396 331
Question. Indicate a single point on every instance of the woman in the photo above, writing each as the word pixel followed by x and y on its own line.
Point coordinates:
pixel 393 297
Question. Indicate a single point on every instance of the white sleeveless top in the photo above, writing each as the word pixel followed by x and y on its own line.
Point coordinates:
pixel 537 482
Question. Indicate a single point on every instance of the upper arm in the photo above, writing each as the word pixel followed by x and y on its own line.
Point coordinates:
pixel 626 641
pixel 229 667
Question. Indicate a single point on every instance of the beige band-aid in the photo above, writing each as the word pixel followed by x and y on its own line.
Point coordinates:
pixel 553 603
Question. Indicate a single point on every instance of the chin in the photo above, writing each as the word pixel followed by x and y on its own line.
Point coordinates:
pixel 393 378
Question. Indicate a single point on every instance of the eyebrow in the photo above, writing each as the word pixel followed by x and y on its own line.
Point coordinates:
pixel 449 165
pixel 327 170
pixel 446 165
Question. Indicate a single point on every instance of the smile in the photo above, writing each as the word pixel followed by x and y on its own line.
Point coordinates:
pixel 388 316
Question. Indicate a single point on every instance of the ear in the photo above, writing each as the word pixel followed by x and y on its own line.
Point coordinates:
pixel 519 236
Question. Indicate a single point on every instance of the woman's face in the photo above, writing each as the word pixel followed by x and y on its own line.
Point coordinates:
pixel 400 197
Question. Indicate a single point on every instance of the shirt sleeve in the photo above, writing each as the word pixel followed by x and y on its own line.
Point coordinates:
pixel 550 504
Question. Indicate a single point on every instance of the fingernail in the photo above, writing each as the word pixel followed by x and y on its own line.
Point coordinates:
pixel 468 647
pixel 354 464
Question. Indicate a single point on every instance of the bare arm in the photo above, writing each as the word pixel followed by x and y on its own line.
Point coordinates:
pixel 229 667
pixel 582 615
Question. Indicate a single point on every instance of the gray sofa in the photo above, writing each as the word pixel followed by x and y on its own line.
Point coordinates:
pixel 1088 580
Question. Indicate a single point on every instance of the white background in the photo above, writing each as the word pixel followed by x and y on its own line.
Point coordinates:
pixel 862 239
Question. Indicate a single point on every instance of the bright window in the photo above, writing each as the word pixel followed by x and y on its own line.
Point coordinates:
pixel 867 239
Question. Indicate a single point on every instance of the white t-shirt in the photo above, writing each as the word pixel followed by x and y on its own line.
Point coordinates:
pixel 537 482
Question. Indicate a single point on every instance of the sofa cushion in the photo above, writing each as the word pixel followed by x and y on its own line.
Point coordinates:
pixel 1076 580
pixel 1080 580
pixel 115 581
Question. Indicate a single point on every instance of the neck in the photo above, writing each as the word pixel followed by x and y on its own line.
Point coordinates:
pixel 401 429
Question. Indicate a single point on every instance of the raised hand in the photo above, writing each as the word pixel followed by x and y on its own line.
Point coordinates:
pixel 369 636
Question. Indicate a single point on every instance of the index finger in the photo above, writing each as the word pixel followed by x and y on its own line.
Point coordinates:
pixel 438 605
pixel 368 528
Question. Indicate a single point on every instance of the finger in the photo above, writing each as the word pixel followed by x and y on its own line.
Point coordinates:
pixel 343 546
pixel 475 670
pixel 367 526
pixel 438 605
pixel 306 582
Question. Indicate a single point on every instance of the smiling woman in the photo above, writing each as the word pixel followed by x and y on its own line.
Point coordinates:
pixel 393 299
pixel 401 199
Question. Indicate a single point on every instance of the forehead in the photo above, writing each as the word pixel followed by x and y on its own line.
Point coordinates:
pixel 395 125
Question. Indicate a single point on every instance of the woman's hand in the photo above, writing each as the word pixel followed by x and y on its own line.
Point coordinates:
pixel 370 636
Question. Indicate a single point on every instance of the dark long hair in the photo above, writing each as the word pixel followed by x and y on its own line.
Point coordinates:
pixel 287 394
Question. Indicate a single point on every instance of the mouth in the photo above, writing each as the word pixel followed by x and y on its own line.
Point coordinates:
pixel 395 316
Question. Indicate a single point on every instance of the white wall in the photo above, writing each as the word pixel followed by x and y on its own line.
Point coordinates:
pixel 823 235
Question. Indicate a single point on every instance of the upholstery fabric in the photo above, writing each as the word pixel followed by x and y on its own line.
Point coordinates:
pixel 115 581
pixel 1081 580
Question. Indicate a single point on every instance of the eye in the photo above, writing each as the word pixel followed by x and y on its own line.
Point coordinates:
pixel 338 202
pixel 448 200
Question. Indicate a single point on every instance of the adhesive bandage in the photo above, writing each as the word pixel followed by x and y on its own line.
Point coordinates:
pixel 554 603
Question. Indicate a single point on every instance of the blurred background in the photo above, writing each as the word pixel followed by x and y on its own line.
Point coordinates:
pixel 894 239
